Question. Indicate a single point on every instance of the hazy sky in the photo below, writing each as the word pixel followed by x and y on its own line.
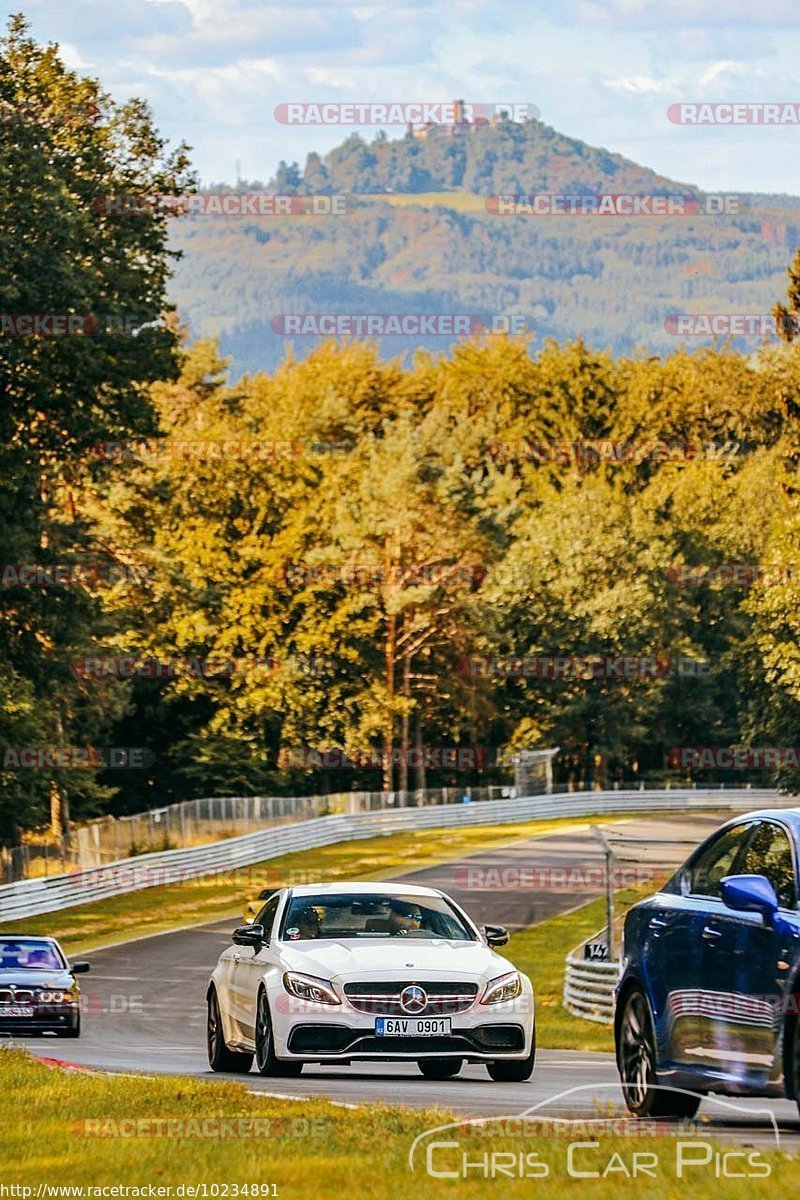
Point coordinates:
pixel 214 70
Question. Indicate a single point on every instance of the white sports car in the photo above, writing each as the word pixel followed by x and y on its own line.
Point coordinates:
pixel 344 972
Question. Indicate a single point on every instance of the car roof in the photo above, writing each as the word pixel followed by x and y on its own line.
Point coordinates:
pixel 790 814
pixel 366 889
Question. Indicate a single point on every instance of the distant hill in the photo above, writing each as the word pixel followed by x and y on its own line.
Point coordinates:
pixel 430 246
pixel 508 156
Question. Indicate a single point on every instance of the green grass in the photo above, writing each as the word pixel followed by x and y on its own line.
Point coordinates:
pixel 540 951
pixel 52 1119
pixel 157 909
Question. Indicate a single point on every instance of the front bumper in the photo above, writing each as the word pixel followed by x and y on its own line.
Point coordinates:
pixel 481 1043
pixel 327 1033
pixel 47 1018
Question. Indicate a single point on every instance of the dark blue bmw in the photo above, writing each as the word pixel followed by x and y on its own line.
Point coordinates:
pixel 709 995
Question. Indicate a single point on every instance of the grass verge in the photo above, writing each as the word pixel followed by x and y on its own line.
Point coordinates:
pixel 540 951
pixel 98 1131
pixel 223 894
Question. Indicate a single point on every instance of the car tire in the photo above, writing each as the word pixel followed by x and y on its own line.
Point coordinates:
pixel 440 1068
pixel 794 1062
pixel 505 1070
pixel 220 1058
pixel 638 1066
pixel 266 1062
pixel 74 1031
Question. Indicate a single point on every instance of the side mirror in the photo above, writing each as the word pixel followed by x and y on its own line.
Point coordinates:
pixel 80 968
pixel 750 893
pixel 250 935
pixel 496 935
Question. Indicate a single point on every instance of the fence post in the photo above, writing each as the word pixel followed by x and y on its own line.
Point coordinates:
pixel 609 854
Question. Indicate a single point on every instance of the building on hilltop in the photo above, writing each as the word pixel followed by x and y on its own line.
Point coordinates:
pixel 460 126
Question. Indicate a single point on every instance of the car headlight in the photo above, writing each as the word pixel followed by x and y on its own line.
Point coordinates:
pixel 308 987
pixel 504 987
pixel 54 997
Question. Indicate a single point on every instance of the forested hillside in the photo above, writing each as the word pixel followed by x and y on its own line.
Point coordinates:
pixel 435 248
pixel 508 156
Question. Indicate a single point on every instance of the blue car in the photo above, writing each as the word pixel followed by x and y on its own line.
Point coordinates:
pixel 709 994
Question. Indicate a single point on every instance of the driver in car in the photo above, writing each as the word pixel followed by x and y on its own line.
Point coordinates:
pixel 308 923
pixel 404 918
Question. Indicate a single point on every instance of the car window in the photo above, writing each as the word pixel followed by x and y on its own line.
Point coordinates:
pixel 22 954
pixel 716 861
pixel 769 852
pixel 376 916
pixel 267 915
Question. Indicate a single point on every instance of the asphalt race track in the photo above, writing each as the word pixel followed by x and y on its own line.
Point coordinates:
pixel 146 999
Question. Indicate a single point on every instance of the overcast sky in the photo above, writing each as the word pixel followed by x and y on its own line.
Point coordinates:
pixel 605 71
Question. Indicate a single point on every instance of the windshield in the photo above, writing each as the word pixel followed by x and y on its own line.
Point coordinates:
pixel 18 954
pixel 377 916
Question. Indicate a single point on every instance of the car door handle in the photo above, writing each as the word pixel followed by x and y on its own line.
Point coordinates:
pixel 710 934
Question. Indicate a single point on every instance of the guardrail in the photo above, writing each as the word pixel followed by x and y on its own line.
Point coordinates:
pixel 589 984
pixel 32 897
pixel 209 819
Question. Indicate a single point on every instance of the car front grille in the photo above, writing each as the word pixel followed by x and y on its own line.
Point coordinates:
pixel 444 998
pixel 20 996
pixel 332 1040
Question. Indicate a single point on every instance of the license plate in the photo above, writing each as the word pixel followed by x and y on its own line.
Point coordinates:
pixel 412 1026
pixel 16 1010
